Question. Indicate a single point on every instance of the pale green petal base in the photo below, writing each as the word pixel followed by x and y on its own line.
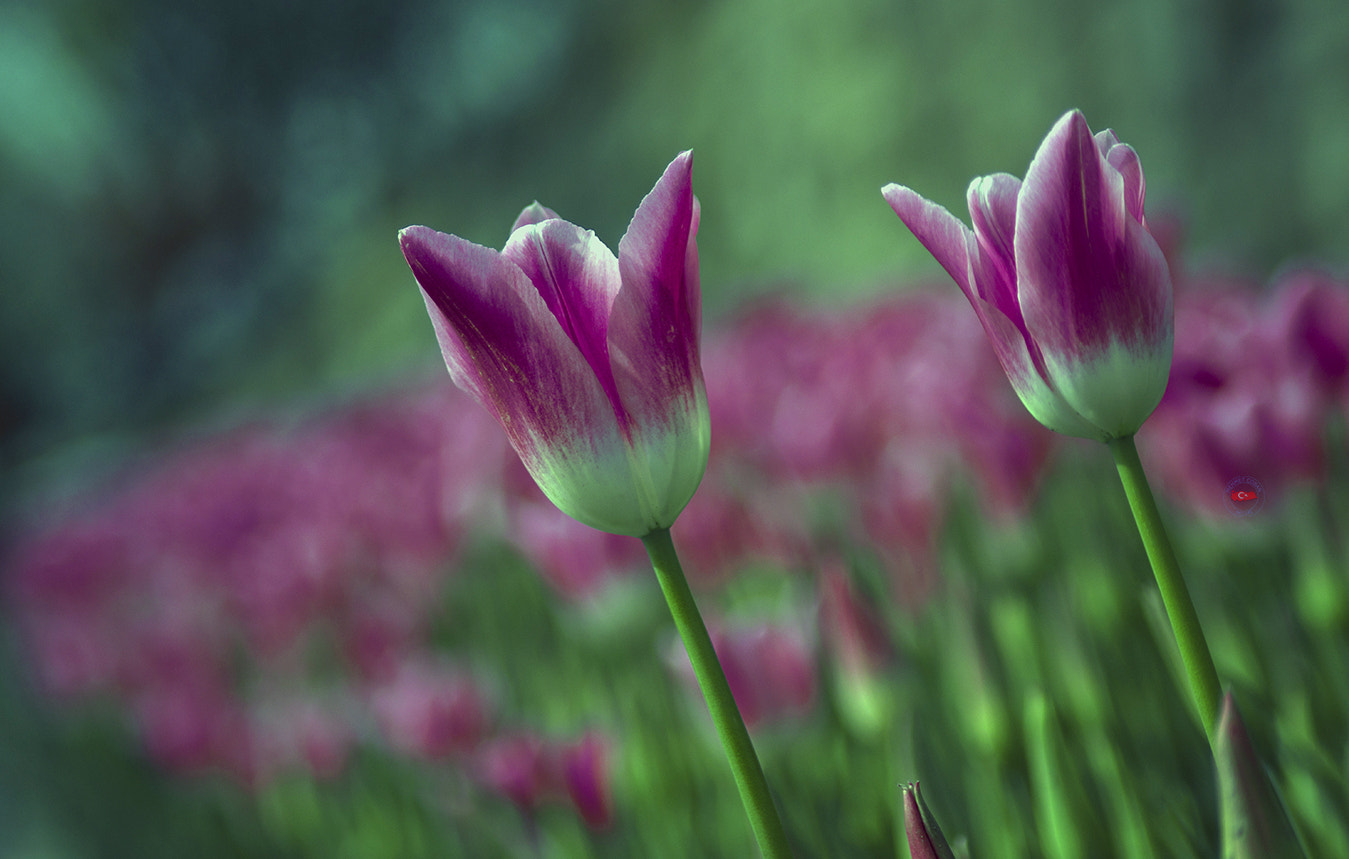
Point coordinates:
pixel 627 489
pixel 1117 390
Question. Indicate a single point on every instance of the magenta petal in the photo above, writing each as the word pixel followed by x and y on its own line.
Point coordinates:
pixel 992 202
pixel 981 276
pixel 1125 161
pixel 1090 277
pixel 577 277
pixel 944 235
pixel 503 345
pixel 532 214
pixel 654 327
pixel 584 770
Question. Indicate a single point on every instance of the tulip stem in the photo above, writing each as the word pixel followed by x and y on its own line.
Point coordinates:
pixel 749 778
pixel 1194 652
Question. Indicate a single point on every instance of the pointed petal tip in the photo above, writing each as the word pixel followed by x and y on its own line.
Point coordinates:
pixel 678 177
pixel 944 235
pixel 534 213
pixel 902 199
pixel 1069 128
pixel 680 170
pixel 925 837
pixel 894 189
pixel 412 240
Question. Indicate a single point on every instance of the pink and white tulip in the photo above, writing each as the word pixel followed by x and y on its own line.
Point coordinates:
pixel 1071 287
pixel 589 362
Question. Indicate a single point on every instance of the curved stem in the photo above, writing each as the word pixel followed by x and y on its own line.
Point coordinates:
pixel 1194 652
pixel 749 778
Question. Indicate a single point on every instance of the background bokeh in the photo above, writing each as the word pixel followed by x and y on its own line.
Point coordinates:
pixel 199 203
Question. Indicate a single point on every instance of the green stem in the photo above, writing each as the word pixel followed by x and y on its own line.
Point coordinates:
pixel 763 816
pixel 1194 651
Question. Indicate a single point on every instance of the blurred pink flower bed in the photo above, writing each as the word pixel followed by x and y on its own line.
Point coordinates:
pixel 260 602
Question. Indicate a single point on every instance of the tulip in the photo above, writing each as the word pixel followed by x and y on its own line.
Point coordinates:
pixel 1071 287
pixel 1075 295
pixel 589 362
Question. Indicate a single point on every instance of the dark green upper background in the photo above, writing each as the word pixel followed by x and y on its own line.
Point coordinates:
pixel 199 201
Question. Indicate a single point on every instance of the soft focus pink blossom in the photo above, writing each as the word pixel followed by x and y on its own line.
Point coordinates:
pixel 725 528
pixel 882 406
pixel 769 668
pixel 515 766
pixel 1309 316
pixel 247 560
pixel 530 770
pixel 1247 396
pixel 310 733
pixel 585 772
pixel 431 711
pixel 575 559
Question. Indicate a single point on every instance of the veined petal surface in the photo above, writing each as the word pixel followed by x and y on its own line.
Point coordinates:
pixel 654 340
pixel 577 277
pixel 533 214
pixel 992 203
pixel 590 362
pixel 944 235
pixel 503 345
pixel 1072 290
pixel 1093 285
pixel 983 275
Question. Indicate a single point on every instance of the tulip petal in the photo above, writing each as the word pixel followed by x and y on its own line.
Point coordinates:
pixel 926 840
pixel 1093 285
pixel 957 249
pixel 533 214
pixel 1123 158
pixel 1044 403
pixel 577 277
pixel 992 202
pixel 504 346
pixel 944 235
pixel 653 338
pixel 653 334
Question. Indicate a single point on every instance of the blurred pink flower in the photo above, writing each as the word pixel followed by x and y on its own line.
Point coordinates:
pixel 575 559
pixel 236 563
pixel 430 711
pixel 514 766
pixel 192 728
pixel 529 770
pixel 769 667
pixel 723 529
pixel 585 772
pixel 306 731
pixel 881 405
pixel 1243 400
pixel 1309 316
